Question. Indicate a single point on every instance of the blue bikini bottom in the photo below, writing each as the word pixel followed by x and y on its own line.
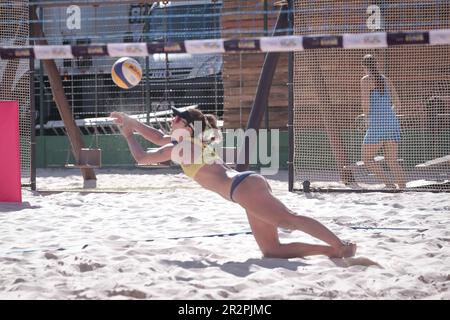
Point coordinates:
pixel 238 179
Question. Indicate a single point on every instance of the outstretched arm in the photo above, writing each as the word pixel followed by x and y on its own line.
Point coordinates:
pixel 149 133
pixel 142 157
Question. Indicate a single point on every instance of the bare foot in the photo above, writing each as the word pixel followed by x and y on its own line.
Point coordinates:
pixel 347 250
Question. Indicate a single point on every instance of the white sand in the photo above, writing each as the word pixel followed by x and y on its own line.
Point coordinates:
pixel 107 256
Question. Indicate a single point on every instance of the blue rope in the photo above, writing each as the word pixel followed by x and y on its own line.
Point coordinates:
pixel 388 228
pixel 231 234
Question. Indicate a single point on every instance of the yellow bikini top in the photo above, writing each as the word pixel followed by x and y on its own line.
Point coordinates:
pixel 208 156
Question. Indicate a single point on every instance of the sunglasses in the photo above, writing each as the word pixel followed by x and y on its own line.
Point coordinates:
pixel 177 119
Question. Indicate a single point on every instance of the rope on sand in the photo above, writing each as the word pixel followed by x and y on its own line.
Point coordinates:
pixel 229 234
pixel 388 228
pixel 31 250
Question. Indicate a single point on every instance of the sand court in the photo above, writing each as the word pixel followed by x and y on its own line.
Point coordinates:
pixel 160 236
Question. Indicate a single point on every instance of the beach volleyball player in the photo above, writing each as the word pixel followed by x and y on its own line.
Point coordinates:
pixel 265 213
pixel 379 101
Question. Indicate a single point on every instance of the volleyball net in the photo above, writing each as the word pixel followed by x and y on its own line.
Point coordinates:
pixel 168 78
pixel 15 77
pixel 332 139
pixel 210 53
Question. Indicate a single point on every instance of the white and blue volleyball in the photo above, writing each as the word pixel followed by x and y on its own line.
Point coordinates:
pixel 126 72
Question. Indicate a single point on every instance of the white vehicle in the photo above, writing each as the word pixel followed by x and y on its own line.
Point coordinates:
pixel 160 21
pixel 181 79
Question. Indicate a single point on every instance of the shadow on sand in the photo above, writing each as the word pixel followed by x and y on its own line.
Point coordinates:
pixel 242 269
pixel 12 207
pixel 239 269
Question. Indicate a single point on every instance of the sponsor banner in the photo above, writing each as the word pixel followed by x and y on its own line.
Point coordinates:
pixel 205 46
pixel 12 53
pixel 405 38
pixel 242 45
pixel 53 52
pixel 90 50
pixel 281 44
pixel 264 44
pixel 170 47
pixel 439 37
pixel 365 40
pixel 127 49
pixel 321 42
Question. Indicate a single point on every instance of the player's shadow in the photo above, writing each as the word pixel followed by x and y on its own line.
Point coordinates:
pixel 239 269
pixel 13 207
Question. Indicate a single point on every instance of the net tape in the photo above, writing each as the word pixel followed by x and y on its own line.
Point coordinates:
pixel 264 44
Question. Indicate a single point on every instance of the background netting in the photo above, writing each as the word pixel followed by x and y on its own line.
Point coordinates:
pixel 168 79
pixel 15 75
pixel 327 93
pixel 328 132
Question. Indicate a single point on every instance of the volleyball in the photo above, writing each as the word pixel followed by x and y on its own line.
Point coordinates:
pixel 126 72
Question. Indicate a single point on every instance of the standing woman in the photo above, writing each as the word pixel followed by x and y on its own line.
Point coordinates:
pixel 379 101
pixel 251 191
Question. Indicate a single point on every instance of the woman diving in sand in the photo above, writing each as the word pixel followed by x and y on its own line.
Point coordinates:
pixel 251 191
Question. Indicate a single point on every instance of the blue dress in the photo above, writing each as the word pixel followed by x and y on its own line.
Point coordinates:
pixel 383 122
